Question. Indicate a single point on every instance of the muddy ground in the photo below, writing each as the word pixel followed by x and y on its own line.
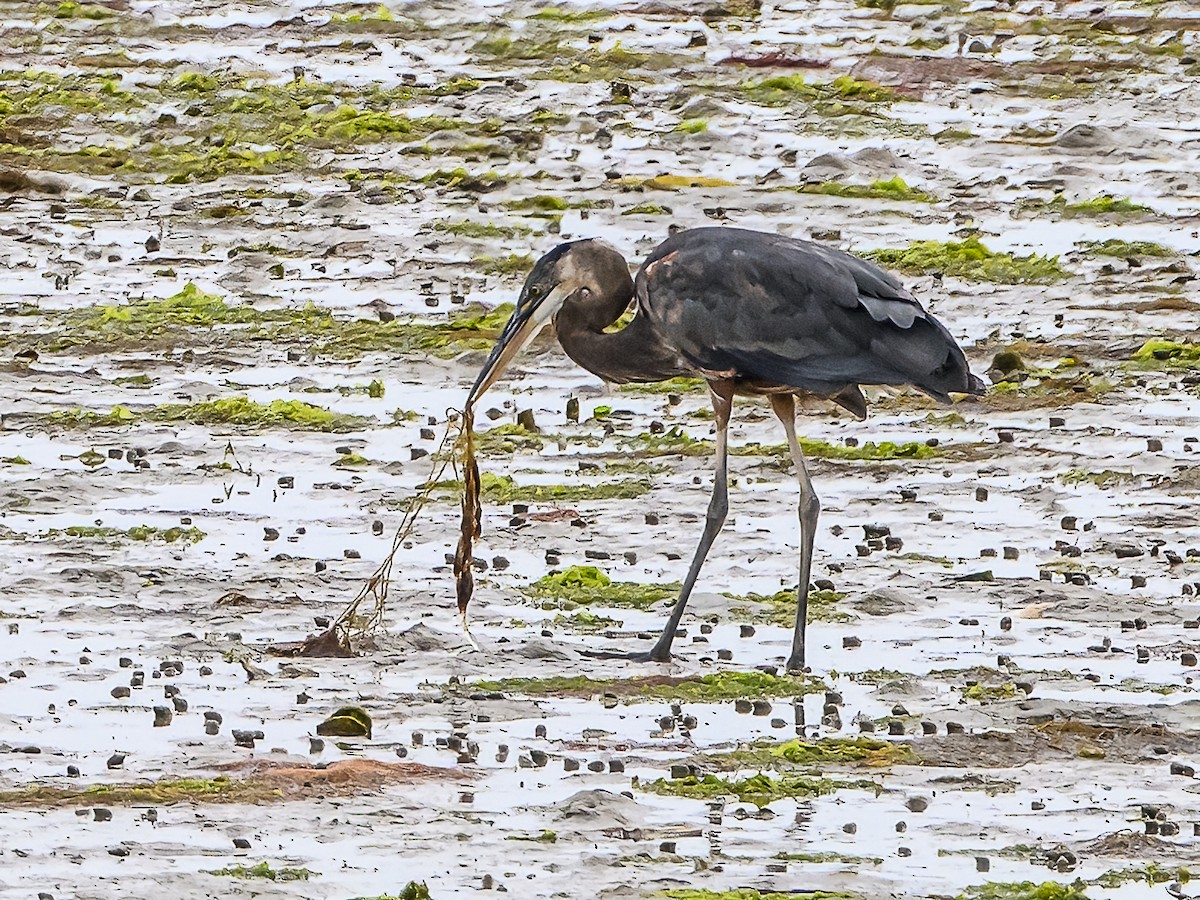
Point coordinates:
pixel 248 256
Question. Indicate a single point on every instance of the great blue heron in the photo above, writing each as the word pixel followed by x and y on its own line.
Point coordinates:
pixel 751 313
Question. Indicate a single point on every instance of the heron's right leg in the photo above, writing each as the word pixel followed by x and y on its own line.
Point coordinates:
pixel 721 393
pixel 809 510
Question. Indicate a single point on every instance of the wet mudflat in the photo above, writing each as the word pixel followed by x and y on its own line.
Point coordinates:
pixel 253 254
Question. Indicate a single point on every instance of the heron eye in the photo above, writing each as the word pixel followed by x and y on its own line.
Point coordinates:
pixel 534 293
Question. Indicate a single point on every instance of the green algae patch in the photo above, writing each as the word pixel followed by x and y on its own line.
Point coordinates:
pixel 481 230
pixel 1149 874
pixel 546 837
pixel 990 693
pixel 1025 890
pixel 971 260
pixel 856 751
pixel 512 264
pixel 226 411
pixel 192 535
pixel 69 9
pixel 891 189
pixel 265 871
pixel 830 856
pixel 667 443
pixel 780 607
pixel 670 386
pixel 169 790
pixel 1126 249
pixel 1158 353
pixel 760 789
pixel 189 308
pixel 753 894
pixel 244 411
pixel 507 439
pixel 845 751
pixel 570 16
pixel 691 126
pixel 780 90
pixel 586 622
pixel 464 180
pixel 646 209
pixel 83 418
pixel 1105 205
pixel 545 203
pixel 1105 478
pixel 587 585
pixel 412 891
pixel 868 450
pixel 694 688
pixel 503 489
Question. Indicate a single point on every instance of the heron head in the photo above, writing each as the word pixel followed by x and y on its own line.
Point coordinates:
pixel 558 275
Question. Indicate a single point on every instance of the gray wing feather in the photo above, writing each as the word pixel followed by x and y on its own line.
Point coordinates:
pixel 796 313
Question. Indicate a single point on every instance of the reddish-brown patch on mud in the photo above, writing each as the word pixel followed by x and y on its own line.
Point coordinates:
pixel 775 61
pixel 265 782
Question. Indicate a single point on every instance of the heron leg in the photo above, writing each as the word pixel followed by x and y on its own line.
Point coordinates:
pixel 721 393
pixel 809 509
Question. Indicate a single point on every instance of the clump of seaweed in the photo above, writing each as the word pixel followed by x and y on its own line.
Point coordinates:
pixel 586 585
pixel 1158 353
pixel 503 489
pixel 892 189
pixel 760 789
pixel 971 260
pixel 265 871
pixel 695 688
pixel 240 411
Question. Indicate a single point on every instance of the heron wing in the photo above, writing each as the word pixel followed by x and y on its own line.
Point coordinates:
pixel 794 313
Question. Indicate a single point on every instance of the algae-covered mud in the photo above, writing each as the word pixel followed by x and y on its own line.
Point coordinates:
pixel 252 254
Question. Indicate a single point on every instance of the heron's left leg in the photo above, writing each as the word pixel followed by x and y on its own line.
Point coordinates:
pixel 810 509
pixel 721 393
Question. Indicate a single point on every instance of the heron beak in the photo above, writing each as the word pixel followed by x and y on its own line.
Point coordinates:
pixel 527 320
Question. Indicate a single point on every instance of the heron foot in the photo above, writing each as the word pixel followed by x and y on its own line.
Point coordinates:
pixel 795 666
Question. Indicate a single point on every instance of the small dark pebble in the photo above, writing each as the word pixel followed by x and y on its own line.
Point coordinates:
pixel 116 760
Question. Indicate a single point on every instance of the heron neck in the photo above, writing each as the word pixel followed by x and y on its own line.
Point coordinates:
pixel 633 353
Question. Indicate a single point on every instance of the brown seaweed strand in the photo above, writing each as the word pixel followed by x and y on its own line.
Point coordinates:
pixel 464 577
